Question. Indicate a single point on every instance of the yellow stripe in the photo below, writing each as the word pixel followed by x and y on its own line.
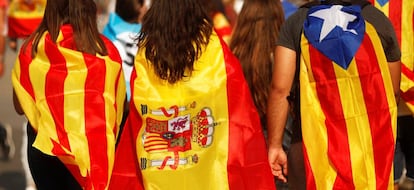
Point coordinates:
pixel 356 118
pixel 113 117
pixel 384 9
pixel 76 76
pixel 407 42
pixel 318 153
pixel 385 75
pixel 16 12
pixel 26 101
pixel 46 128
pixel 205 78
pixel 220 21
pixel 387 85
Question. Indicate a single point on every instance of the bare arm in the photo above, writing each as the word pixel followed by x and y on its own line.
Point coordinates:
pixel 395 71
pixel 278 106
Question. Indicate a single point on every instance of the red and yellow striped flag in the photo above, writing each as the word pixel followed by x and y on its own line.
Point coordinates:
pixel 24 18
pixel 75 102
pixel 401 14
pixel 202 133
pixel 348 111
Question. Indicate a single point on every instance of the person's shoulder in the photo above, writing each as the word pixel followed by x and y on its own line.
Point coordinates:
pixel 112 50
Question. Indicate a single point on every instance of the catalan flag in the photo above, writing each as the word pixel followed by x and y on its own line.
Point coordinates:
pixel 24 17
pixel 348 108
pixel 201 133
pixel 74 101
pixel 401 14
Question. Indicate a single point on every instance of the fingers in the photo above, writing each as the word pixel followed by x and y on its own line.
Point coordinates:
pixel 285 170
pixel 280 172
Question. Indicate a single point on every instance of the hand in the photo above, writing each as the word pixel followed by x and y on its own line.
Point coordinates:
pixel 278 163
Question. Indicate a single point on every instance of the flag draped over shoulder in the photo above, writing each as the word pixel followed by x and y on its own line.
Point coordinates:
pixel 74 101
pixel 348 108
pixel 24 18
pixel 201 133
pixel 401 14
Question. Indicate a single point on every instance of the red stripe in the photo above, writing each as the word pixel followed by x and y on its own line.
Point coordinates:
pixel 127 173
pixel 377 106
pixel 310 178
pixel 95 120
pixel 408 97
pixel 407 72
pixel 249 165
pixel 24 78
pixel 54 87
pixel 395 15
pixel 329 97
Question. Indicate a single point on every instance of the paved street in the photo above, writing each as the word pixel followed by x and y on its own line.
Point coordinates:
pixel 12 175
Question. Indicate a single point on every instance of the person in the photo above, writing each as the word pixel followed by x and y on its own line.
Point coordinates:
pixel 6 137
pixel 23 18
pixel 218 15
pixel 68 82
pixel 122 28
pixel 6 142
pixel 344 122
pixel 192 122
pixel 400 13
pixel 253 43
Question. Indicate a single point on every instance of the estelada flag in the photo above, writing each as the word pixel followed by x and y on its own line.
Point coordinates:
pixel 74 101
pixel 401 14
pixel 201 133
pixel 348 108
pixel 24 18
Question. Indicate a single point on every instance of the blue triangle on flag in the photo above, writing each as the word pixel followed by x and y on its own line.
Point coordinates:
pixel 382 2
pixel 336 31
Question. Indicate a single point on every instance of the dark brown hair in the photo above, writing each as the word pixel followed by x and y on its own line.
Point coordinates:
pixel 81 15
pixel 129 10
pixel 173 35
pixel 253 42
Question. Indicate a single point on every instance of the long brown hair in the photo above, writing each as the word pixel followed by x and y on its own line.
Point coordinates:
pixel 81 15
pixel 173 35
pixel 253 42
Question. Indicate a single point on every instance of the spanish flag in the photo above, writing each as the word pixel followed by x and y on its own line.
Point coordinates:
pixel 401 14
pixel 348 108
pixel 74 101
pixel 24 18
pixel 201 133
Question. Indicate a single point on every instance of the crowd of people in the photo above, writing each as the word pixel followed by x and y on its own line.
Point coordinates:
pixel 217 94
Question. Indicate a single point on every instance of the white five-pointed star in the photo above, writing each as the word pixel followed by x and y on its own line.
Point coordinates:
pixel 334 17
